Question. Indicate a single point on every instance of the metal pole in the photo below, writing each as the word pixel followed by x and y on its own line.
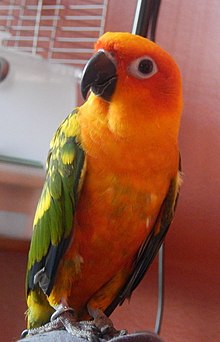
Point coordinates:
pixel 145 19
pixel 160 302
pixel 145 23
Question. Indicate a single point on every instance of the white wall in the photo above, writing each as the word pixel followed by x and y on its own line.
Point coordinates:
pixel 34 98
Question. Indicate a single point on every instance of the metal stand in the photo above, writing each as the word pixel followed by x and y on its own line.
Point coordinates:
pixel 160 303
pixel 145 19
pixel 145 22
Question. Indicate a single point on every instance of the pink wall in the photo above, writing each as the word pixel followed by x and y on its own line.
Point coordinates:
pixel 190 31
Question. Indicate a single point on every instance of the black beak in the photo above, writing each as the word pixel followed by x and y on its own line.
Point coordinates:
pixel 99 75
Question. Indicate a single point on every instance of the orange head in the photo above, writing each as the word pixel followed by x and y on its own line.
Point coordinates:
pixel 137 79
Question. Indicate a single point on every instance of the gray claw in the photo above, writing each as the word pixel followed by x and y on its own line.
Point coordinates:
pixel 24 333
pixel 93 338
pixel 105 329
pixel 123 332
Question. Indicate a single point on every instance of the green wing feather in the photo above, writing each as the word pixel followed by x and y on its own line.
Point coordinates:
pixel 152 244
pixel 54 216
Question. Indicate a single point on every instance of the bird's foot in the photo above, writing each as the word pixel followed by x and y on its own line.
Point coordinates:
pixel 67 318
pixel 66 321
pixel 101 328
pixel 51 326
pixel 54 324
pixel 104 325
pixel 84 330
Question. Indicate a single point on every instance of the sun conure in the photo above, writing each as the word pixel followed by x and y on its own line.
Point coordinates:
pixel 112 181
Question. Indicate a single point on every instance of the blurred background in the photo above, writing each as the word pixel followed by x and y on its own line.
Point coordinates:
pixel 44 46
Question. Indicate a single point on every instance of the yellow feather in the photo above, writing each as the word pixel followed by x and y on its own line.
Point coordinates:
pixel 67 157
pixel 43 205
pixel 71 126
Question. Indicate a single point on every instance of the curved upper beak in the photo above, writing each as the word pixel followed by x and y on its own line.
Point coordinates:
pixel 99 75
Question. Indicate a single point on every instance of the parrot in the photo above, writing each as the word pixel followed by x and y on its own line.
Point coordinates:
pixel 113 176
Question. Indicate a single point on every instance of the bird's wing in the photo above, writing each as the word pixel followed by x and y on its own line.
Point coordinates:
pixel 53 222
pixel 152 244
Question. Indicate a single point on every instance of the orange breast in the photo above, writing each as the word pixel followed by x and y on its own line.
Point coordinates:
pixel 125 185
pixel 112 221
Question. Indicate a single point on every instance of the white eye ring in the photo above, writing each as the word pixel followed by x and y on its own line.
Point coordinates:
pixel 143 67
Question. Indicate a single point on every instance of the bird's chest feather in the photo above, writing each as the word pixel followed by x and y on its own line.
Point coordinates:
pixel 113 215
pixel 113 218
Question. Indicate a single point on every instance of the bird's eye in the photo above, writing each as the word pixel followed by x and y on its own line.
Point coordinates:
pixel 143 67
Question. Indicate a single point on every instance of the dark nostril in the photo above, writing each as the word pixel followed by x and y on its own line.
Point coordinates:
pixel 4 68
